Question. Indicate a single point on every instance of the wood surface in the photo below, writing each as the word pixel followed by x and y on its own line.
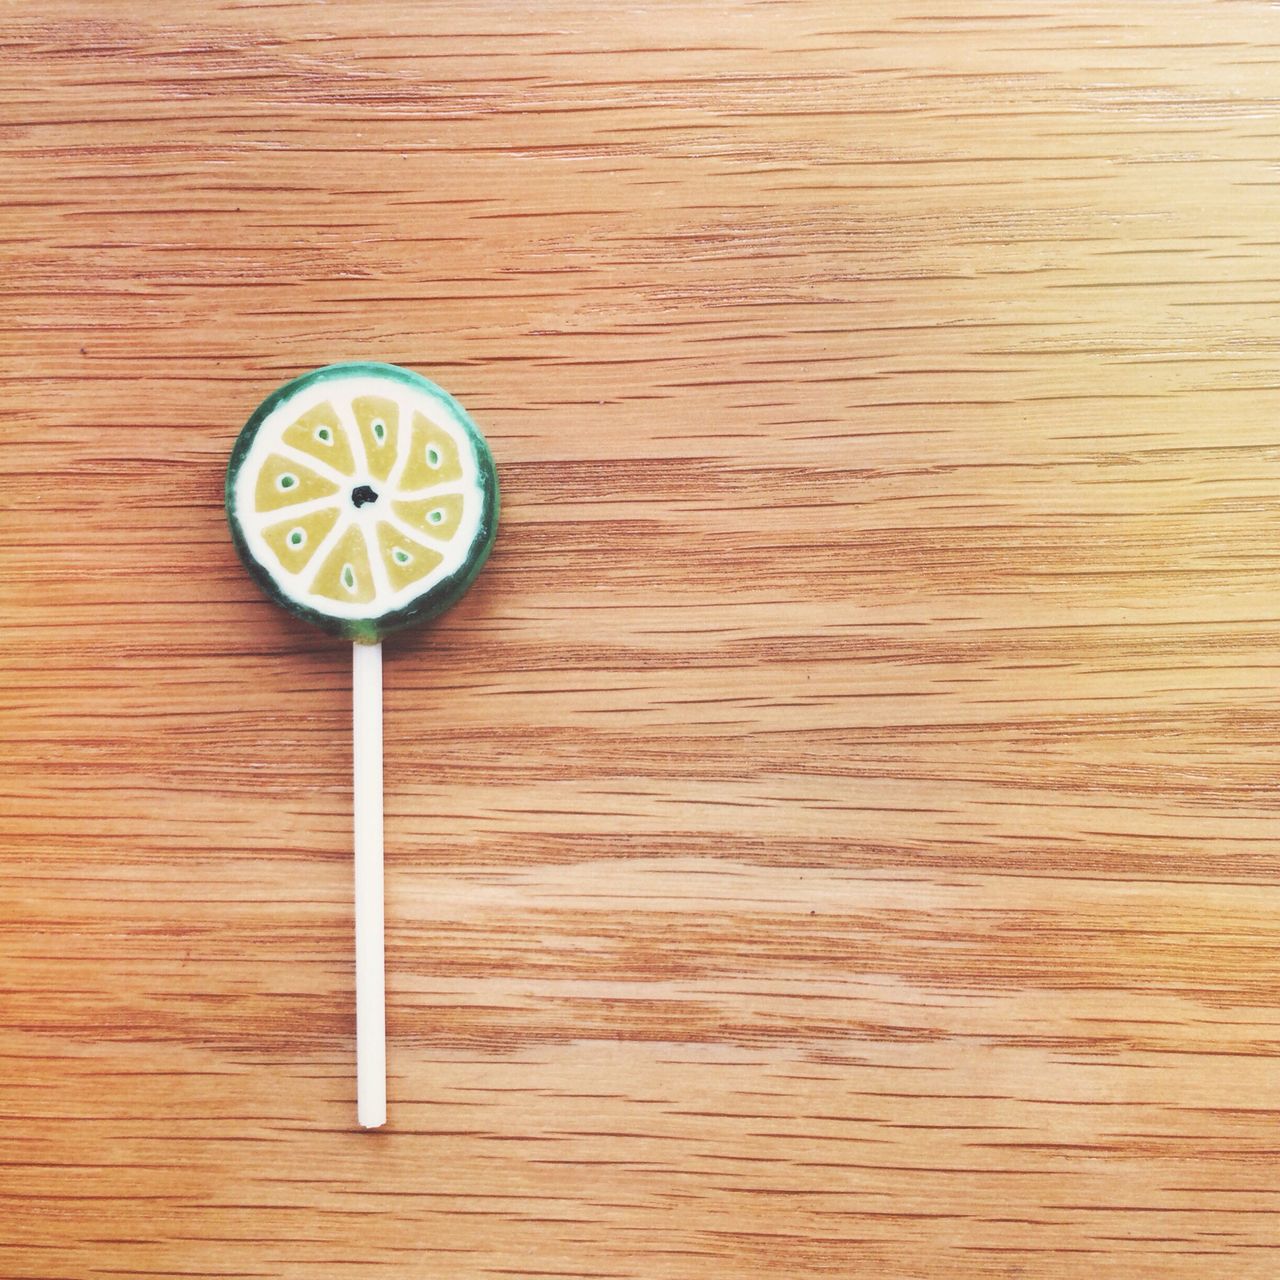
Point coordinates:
pixel 837 836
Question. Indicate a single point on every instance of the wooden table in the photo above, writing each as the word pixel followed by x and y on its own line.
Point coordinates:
pixel 837 837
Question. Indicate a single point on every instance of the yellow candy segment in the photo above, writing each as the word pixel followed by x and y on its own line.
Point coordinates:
pixel 320 434
pixel 346 574
pixel 436 517
pixel 379 420
pixel 406 560
pixel 433 456
pixel 296 541
pixel 284 483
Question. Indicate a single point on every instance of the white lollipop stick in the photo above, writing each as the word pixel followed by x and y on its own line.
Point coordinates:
pixel 371 1018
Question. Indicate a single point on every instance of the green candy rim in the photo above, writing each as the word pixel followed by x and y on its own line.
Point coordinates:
pixel 434 601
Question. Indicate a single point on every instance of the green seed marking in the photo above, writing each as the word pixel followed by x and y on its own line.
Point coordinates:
pixel 297 537
pixel 324 435
pixel 433 457
pixel 287 481
pixel 436 516
pixel 348 577
pixel 379 428
pixel 400 555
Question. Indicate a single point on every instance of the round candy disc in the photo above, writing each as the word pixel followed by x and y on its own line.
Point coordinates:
pixel 362 498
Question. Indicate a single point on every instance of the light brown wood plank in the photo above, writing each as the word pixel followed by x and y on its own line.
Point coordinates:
pixel 837 836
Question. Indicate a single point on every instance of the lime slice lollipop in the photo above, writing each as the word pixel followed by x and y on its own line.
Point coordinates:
pixel 363 499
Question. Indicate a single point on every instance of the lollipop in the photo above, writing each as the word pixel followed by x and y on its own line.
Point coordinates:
pixel 362 498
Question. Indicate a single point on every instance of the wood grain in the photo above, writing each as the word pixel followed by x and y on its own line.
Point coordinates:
pixel 838 834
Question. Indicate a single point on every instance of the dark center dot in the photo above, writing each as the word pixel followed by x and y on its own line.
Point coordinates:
pixel 362 494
